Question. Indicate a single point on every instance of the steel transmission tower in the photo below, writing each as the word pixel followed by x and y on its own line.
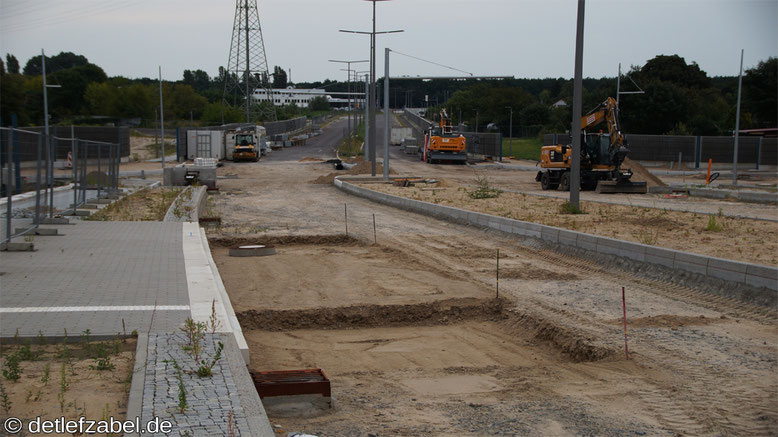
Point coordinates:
pixel 247 66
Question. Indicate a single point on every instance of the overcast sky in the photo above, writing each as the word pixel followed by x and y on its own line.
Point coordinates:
pixel 521 38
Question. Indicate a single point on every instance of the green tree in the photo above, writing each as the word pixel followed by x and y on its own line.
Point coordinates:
pixel 56 63
pixel 12 98
pixel 760 93
pixel 12 63
pixel 279 77
pixel 319 103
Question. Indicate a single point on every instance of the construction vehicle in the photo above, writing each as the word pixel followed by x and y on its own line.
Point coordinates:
pixel 441 143
pixel 601 157
pixel 246 143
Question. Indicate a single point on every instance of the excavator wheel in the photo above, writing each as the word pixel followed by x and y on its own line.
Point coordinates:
pixel 545 182
pixel 564 181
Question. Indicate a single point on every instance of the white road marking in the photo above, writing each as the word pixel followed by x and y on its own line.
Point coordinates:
pixel 95 308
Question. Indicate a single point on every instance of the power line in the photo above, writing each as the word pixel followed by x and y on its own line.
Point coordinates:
pixel 433 63
pixel 72 15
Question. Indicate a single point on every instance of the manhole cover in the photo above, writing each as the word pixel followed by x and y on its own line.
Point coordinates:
pixel 252 250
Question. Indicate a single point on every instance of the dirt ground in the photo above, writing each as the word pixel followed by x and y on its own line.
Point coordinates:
pixel 88 392
pixel 546 359
pixel 753 241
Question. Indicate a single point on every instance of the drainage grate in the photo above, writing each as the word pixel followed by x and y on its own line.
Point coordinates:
pixel 291 382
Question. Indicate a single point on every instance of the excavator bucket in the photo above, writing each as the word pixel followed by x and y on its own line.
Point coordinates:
pixel 621 187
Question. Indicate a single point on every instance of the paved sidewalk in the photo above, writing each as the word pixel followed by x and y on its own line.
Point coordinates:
pixel 94 276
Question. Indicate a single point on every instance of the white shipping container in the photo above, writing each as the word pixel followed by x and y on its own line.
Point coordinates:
pixel 205 144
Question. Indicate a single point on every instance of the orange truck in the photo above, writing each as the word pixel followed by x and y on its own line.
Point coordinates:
pixel 442 144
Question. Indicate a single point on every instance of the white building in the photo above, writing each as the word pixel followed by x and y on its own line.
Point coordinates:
pixel 300 97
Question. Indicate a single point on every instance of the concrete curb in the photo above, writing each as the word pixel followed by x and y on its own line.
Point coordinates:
pixel 135 401
pixel 188 206
pixel 735 271
pixel 237 331
pixel 30 194
pixel 259 424
pixel 711 193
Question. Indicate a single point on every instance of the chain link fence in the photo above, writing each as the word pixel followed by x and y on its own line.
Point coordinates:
pixel 34 191
pixel 692 149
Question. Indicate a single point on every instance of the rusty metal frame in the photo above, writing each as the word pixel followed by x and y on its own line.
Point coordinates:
pixel 291 382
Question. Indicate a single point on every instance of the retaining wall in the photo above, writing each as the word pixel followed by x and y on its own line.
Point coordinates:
pixel 735 271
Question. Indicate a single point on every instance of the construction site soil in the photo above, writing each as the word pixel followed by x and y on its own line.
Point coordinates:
pixel 404 321
pixel 754 241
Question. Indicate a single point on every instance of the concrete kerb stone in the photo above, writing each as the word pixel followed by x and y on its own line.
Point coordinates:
pixel 135 401
pixel 755 275
pixel 188 205
pixel 691 262
pixel 727 270
pixel 762 276
pixel 258 422
pixel 237 331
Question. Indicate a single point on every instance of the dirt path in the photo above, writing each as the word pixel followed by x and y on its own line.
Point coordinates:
pixel 549 360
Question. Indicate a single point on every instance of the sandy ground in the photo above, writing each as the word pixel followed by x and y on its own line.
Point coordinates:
pixel 548 360
pixel 753 241
pixel 94 394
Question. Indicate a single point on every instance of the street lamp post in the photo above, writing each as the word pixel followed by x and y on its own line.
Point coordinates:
pixel 348 88
pixel 51 154
pixel 371 98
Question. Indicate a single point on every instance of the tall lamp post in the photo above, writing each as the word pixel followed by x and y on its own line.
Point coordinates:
pixel 51 152
pixel 348 63
pixel 575 166
pixel 371 94
pixel 476 121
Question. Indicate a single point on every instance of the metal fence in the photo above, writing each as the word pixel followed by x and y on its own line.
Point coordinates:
pixel 280 127
pixel 486 144
pixel 693 149
pixel 33 190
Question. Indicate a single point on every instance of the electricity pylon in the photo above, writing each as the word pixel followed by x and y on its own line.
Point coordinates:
pixel 247 69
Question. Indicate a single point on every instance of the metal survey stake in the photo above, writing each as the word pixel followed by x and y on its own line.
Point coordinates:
pixel 498 274
pixel 375 239
pixel 624 306
pixel 345 214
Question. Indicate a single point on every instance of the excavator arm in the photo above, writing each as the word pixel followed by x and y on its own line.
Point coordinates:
pixel 608 111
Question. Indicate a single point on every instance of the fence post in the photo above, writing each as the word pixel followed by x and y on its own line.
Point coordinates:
pixel 39 156
pixel 74 156
pixel 697 152
pixel 99 168
pixel 17 163
pixel 9 190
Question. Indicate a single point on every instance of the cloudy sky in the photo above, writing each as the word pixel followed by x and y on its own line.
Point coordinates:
pixel 522 38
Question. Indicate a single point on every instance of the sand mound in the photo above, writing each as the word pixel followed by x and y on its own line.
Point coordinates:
pixel 641 174
pixel 363 167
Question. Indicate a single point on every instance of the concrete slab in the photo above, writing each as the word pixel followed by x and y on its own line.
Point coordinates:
pixel 95 277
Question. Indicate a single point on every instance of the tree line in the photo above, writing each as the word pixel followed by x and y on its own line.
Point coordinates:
pixel 88 96
pixel 679 97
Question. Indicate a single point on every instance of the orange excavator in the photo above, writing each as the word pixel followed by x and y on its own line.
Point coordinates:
pixel 601 157
pixel 441 143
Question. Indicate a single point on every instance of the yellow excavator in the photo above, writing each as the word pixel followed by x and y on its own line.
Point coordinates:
pixel 601 157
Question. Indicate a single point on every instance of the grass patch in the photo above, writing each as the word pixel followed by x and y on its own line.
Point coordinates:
pixel 143 205
pixel 522 148
pixel 714 225
pixel 351 146
pixel 153 148
pixel 569 208
pixel 483 190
